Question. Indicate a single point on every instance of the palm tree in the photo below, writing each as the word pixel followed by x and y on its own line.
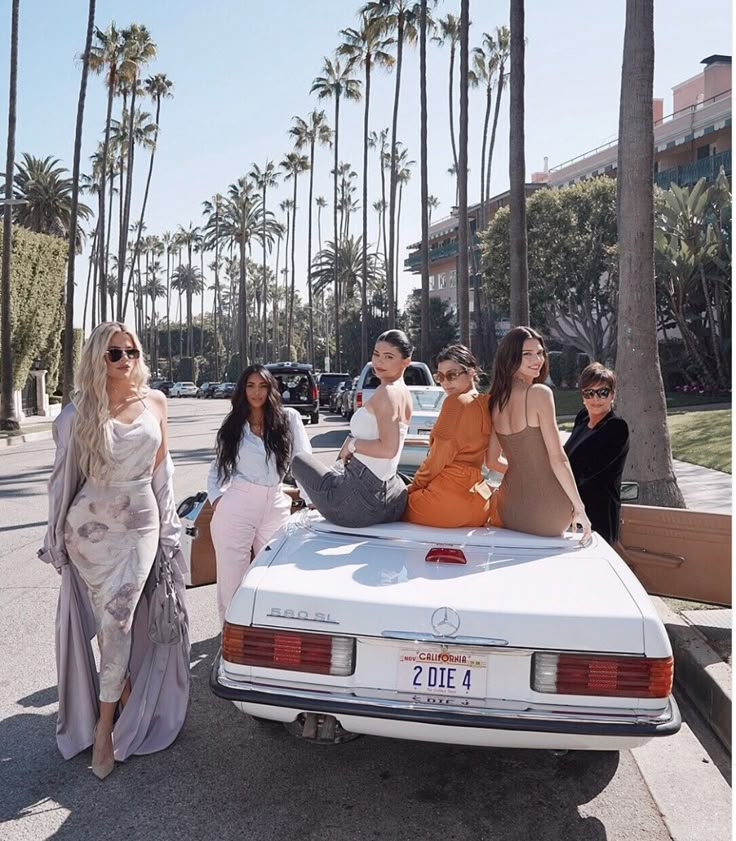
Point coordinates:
pixel 285 206
pixel 449 32
pixel 641 392
pixel 158 87
pixel 293 165
pixel 154 289
pixel 367 47
pixel 403 176
pixel 213 210
pixel 485 65
pixel 309 132
pixel 139 49
pixel 426 207
pixel 263 179
pixel 167 240
pixel 347 261
pixel 106 55
pixel 399 18
pixel 463 302
pixel 188 280
pixel 8 419
pixel 501 54
pixel 44 194
pixel 188 237
pixel 432 204
pixel 337 82
pixel 519 296
pixel 68 373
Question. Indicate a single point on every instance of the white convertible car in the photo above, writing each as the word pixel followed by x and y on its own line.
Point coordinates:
pixel 465 636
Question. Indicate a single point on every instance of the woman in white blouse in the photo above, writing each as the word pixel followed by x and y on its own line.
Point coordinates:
pixel 255 445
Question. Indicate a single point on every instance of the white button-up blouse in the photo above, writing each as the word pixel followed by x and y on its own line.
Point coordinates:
pixel 252 465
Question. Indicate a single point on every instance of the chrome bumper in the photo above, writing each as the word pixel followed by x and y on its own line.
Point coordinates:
pixel 547 721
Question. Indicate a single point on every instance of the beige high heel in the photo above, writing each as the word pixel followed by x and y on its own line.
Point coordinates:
pixel 102 769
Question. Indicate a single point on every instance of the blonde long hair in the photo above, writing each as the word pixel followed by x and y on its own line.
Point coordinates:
pixel 92 420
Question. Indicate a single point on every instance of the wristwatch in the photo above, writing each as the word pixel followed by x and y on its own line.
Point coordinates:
pixel 351 446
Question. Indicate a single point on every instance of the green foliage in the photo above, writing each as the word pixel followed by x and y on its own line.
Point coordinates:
pixel 442 323
pixel 187 369
pixel 573 272
pixel 36 286
pixel 568 368
pixel 233 369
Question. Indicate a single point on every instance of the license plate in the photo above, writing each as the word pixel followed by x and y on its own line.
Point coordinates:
pixel 424 432
pixel 446 672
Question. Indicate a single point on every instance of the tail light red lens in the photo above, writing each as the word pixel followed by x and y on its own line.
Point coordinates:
pixel 442 555
pixel 593 674
pixel 358 399
pixel 315 393
pixel 291 650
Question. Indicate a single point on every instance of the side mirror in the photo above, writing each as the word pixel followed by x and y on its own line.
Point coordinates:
pixel 629 491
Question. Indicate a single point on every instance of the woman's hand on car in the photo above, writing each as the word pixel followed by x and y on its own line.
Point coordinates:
pixel 580 518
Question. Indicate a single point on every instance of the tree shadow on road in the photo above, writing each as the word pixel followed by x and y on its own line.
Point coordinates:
pixel 229 777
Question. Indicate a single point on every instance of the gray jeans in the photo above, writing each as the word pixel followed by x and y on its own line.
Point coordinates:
pixel 352 499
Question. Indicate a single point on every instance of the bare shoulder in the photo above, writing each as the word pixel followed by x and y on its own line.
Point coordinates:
pixel 541 393
pixel 157 400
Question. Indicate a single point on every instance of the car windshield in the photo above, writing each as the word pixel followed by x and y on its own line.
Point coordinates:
pixel 427 401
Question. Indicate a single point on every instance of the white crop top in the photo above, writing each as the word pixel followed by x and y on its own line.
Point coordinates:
pixel 363 425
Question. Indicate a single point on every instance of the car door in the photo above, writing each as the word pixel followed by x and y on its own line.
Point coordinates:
pixel 679 553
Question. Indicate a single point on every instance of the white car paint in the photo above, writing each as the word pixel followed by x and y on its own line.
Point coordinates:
pixel 516 595
pixel 183 389
pixel 426 404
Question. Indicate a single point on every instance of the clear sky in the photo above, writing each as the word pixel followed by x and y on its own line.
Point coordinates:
pixel 243 68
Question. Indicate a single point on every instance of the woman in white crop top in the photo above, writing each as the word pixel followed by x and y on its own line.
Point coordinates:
pixel 368 490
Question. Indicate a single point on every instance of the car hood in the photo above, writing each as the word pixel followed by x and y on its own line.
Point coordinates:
pixel 515 589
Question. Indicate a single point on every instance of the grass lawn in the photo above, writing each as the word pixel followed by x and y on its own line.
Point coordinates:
pixel 568 402
pixel 702 438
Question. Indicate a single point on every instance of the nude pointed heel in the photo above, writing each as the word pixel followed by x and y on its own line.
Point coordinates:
pixel 102 769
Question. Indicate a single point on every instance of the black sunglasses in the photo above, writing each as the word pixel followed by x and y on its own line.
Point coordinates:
pixel 115 354
pixel 589 393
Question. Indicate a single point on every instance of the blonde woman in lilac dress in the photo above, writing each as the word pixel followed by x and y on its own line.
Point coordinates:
pixel 111 529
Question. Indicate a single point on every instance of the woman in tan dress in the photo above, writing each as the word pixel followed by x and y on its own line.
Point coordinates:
pixel 538 494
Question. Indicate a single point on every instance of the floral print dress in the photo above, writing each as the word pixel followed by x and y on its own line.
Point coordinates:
pixel 111 534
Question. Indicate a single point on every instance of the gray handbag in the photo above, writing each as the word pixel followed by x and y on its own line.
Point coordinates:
pixel 165 613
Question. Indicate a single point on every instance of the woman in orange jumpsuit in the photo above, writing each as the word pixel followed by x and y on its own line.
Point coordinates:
pixel 448 489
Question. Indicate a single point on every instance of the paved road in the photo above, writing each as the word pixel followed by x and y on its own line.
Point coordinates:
pixel 228 777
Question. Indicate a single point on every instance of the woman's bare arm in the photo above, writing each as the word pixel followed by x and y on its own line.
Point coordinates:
pixel 160 406
pixel 494 459
pixel 542 403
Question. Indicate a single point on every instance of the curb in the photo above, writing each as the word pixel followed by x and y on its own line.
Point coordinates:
pixel 700 672
pixel 27 438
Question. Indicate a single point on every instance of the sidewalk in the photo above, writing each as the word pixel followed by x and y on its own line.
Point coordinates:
pixel 32 428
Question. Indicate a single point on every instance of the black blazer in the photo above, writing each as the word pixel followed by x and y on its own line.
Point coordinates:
pixel 597 457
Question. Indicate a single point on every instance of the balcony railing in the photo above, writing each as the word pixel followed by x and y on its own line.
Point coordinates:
pixel 442 253
pixel 688 174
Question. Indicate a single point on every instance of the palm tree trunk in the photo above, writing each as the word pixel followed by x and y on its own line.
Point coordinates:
pixel 484 146
pixel 92 264
pixel 293 268
pixel 217 289
pixel 641 392
pixel 128 195
pixel 276 302
pixel 312 350
pixel 105 152
pixel 243 307
pixel 168 310
pixel 265 296
pixel 452 114
pixel 517 173
pixel 364 285
pixel 398 223
pixel 492 144
pixel 201 308
pixel 424 302
pixel 334 220
pixel 463 302
pixel 390 270
pixel 105 258
pixel 8 418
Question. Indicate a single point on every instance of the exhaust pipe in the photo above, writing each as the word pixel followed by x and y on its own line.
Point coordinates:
pixel 319 728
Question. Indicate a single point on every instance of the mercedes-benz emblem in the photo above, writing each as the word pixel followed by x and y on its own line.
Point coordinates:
pixel 445 622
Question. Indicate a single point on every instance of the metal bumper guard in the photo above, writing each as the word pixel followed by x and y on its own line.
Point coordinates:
pixel 329 703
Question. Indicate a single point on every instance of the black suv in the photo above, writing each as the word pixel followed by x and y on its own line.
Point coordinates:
pixel 297 387
pixel 328 382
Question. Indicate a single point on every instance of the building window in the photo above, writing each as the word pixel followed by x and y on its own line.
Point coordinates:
pixel 703 152
pixel 471 305
pixel 453 279
pixel 442 280
pixel 432 282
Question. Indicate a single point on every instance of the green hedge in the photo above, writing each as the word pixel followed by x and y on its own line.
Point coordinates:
pixel 37 275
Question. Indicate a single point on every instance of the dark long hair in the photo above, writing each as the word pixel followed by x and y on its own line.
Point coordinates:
pixel 277 437
pixel 508 360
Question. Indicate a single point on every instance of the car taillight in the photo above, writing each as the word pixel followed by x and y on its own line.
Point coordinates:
pixel 292 650
pixel 358 399
pixel 314 392
pixel 593 674
pixel 442 555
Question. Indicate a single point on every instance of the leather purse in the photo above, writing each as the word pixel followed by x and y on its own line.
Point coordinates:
pixel 165 613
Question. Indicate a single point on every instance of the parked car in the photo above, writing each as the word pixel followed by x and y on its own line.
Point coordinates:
pixel 163 385
pixel 207 389
pixel 465 636
pixel 183 389
pixel 224 390
pixel 336 396
pixel 327 382
pixel 347 404
pixel 426 402
pixel 416 374
pixel 298 388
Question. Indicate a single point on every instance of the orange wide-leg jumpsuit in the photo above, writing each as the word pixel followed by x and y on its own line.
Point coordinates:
pixel 441 493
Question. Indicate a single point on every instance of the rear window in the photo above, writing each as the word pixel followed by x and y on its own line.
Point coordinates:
pixel 427 401
pixel 294 386
pixel 333 379
pixel 412 376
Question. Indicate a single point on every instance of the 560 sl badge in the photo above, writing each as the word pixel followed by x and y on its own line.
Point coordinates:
pixel 302 615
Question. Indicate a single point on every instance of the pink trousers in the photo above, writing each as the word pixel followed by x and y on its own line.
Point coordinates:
pixel 247 516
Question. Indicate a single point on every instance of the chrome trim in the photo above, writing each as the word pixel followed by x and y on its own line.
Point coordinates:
pixel 412 636
pixel 548 716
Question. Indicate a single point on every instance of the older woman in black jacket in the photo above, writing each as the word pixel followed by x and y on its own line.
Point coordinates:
pixel 597 450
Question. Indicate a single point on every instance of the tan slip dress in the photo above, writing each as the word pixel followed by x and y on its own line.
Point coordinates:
pixel 530 498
